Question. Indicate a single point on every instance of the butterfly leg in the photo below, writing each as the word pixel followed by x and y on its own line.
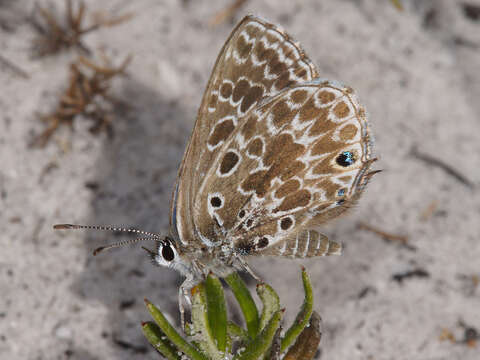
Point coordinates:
pixel 181 306
pixel 183 298
pixel 248 269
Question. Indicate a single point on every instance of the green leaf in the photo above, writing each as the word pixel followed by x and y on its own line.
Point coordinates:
pixel 212 335
pixel 303 316
pixel 202 332
pixel 271 303
pixel 307 343
pixel 274 352
pixel 398 4
pixel 173 335
pixel 245 300
pixel 263 341
pixel 217 311
pixel 159 341
pixel 237 333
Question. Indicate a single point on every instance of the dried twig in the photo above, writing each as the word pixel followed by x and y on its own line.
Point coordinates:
pixel 7 63
pixel 57 33
pixel 420 273
pixel 403 240
pixel 430 160
pixel 86 94
pixel 447 335
pixel 227 13
pixel 471 11
pixel 470 283
pixel 429 211
pixel 471 336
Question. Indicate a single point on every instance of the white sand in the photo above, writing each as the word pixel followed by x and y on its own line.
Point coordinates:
pixel 419 80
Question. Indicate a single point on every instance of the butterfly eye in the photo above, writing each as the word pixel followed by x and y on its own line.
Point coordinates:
pixel 345 159
pixel 167 252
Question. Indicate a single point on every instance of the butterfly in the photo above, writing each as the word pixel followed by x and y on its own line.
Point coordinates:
pixel 276 151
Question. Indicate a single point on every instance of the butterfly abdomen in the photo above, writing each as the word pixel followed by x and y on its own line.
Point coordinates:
pixel 308 243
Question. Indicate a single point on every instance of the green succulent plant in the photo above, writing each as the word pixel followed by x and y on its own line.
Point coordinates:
pixel 211 336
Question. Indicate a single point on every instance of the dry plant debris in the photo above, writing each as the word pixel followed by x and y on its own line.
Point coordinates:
pixel 398 4
pixel 437 162
pixel 419 273
pixel 227 13
pixel 470 283
pixel 429 211
pixel 58 32
pixel 86 95
pixel 447 335
pixel 403 240
pixel 471 336
pixel 14 68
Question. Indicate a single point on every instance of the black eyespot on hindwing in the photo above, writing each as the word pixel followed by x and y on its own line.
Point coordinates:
pixel 345 159
pixel 262 242
pixel 245 247
pixel 286 223
pixel 216 202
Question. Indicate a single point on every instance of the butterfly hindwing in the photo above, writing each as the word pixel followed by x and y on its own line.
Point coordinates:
pixel 296 160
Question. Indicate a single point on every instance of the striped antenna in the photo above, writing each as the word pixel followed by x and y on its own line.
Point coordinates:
pixel 107 228
pixel 121 243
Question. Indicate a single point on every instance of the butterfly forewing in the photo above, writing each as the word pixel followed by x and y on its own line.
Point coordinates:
pixel 282 170
pixel 257 61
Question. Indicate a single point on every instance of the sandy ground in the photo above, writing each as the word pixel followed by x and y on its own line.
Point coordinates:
pixel 417 72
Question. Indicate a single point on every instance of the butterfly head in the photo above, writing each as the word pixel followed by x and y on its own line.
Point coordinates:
pixel 166 254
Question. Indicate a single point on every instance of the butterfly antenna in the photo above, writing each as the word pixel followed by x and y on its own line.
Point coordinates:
pixel 371 161
pixel 150 252
pixel 107 228
pixel 371 173
pixel 121 243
